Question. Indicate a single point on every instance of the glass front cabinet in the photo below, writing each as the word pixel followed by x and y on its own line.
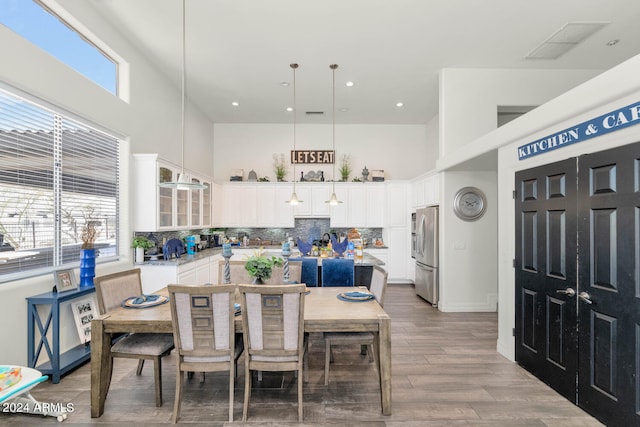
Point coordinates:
pixel 157 208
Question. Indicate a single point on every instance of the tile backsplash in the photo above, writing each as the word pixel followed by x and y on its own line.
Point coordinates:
pixel 305 228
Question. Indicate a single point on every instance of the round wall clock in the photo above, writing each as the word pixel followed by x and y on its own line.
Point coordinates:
pixel 469 203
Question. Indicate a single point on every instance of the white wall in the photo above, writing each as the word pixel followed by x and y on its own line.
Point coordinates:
pixel 400 150
pixel 150 122
pixel 469 98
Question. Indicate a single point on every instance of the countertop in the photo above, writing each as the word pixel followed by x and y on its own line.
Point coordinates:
pixel 273 250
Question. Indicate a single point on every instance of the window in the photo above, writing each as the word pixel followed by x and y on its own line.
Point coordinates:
pixel 42 27
pixel 56 176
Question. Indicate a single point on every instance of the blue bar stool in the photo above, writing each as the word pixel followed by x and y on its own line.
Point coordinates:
pixel 309 271
pixel 337 272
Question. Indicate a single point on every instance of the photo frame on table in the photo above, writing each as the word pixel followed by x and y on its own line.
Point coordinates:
pixel 83 312
pixel 65 280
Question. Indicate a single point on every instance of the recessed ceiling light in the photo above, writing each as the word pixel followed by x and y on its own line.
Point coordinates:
pixel 349 84
pixel 284 84
pixel 235 104
pixel 289 109
pixel 613 42
pixel 399 104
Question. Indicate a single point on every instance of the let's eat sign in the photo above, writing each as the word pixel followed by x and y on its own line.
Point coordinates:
pixel 312 156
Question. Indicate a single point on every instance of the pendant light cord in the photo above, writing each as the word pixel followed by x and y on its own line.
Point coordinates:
pixel 184 66
pixel 333 67
pixel 295 112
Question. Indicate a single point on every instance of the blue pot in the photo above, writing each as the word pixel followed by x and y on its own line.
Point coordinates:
pixel 87 267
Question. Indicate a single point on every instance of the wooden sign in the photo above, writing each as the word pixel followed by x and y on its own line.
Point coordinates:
pixel 312 156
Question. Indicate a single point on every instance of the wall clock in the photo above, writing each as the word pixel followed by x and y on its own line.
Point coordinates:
pixel 469 203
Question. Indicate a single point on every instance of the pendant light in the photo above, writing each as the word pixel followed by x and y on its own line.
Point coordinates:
pixel 294 197
pixel 183 182
pixel 333 201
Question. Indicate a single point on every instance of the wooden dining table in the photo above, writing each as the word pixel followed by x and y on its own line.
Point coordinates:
pixel 323 312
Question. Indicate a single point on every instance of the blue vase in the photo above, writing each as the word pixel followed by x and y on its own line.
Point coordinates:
pixel 87 267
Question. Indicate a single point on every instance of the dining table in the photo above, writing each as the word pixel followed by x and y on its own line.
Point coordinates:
pixel 323 312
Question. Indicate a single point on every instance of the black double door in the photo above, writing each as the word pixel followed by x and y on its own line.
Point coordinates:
pixel 577 275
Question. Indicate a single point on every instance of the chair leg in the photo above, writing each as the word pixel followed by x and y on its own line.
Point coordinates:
pixel 247 391
pixel 327 359
pixel 157 369
pixel 232 376
pixel 178 398
pixel 140 366
pixel 300 407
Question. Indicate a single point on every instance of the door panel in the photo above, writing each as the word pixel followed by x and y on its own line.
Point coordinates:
pixel 546 335
pixel 609 345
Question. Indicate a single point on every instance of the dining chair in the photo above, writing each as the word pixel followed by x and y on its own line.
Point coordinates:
pixel 204 334
pixel 378 288
pixel 111 291
pixel 309 273
pixel 274 339
pixel 337 272
pixel 240 275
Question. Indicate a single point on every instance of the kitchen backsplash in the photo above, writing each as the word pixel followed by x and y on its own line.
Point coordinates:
pixel 305 228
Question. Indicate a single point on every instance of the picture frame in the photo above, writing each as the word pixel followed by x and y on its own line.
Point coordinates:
pixel 65 280
pixel 83 312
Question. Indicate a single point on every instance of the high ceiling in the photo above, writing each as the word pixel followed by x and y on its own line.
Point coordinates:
pixel 240 50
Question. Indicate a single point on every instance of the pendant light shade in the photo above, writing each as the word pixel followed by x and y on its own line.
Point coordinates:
pixel 293 201
pixel 183 183
pixel 333 201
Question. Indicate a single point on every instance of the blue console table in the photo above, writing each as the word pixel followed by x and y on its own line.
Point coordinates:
pixel 58 363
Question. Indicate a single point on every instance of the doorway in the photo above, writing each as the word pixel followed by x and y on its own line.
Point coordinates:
pixel 577 280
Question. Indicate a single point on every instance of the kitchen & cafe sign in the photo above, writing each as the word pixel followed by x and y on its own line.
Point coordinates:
pixel 312 156
pixel 610 122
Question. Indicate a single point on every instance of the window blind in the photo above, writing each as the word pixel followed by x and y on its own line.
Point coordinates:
pixel 57 175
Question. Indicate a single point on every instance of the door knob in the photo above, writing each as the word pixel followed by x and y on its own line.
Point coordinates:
pixel 568 292
pixel 585 297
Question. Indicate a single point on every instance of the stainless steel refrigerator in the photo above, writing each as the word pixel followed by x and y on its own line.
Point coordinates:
pixel 426 254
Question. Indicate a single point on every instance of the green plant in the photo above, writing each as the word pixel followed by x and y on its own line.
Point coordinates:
pixel 345 167
pixel 142 242
pixel 280 166
pixel 260 266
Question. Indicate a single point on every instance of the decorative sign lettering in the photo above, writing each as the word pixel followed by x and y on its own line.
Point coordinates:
pixel 312 156
pixel 610 122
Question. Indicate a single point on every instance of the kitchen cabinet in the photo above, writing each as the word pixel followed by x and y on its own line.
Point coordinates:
pixel 239 205
pixel 273 211
pixel 376 200
pixel 314 195
pixel 426 190
pixel 255 205
pixel 157 208
pixel 398 241
pixel 364 205
pixel 198 272
pixel 397 204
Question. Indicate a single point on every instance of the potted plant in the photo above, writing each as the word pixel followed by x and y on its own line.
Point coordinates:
pixel 259 266
pixel 280 167
pixel 141 243
pixel 345 167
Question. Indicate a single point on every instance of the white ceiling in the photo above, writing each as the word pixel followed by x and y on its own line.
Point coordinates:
pixel 240 50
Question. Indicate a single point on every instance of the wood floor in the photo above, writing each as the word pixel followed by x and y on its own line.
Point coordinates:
pixel 445 370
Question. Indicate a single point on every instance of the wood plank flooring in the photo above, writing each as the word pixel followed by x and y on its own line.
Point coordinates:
pixel 445 370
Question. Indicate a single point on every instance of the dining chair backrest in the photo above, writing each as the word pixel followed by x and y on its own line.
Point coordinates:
pixel 240 275
pixel 309 274
pixel 203 322
pixel 273 323
pixel 379 284
pixel 112 289
pixel 337 272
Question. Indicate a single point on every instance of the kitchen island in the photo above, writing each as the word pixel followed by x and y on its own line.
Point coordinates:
pixel 202 267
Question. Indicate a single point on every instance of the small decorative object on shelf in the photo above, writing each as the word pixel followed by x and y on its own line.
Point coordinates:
pixel 280 167
pixel 65 280
pixel 345 167
pixel 301 176
pixel 377 175
pixel 236 175
pixel 365 174
pixel 253 176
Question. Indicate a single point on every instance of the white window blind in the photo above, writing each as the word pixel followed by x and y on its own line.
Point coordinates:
pixel 56 176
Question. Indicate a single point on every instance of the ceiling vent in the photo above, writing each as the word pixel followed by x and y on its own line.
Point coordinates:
pixel 565 39
pixel 314 113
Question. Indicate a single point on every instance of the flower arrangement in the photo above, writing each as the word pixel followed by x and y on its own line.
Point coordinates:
pixel 89 231
pixel 345 167
pixel 259 266
pixel 280 166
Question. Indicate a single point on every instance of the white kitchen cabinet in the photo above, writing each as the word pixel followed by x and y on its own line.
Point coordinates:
pixel 398 240
pixel 216 205
pixel 254 205
pixel 157 208
pixel 283 211
pixel 239 205
pixel 314 195
pixel 397 204
pixel 376 200
pixel 207 193
pixel 266 200
pixel 426 190
pixel 381 254
pixel 364 205
pixel 187 274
